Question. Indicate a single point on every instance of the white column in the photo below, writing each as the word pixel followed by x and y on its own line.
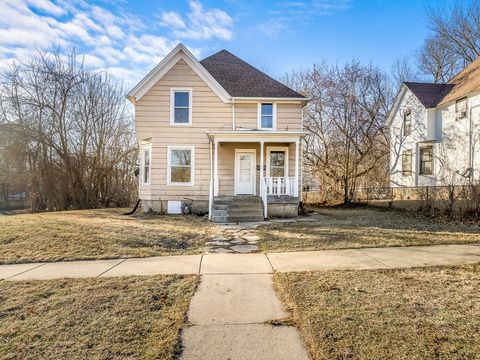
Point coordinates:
pixel 215 169
pixel 297 167
pixel 210 189
pixel 261 164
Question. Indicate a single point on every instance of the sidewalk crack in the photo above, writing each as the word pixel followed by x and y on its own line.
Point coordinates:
pixel 371 257
pixel 121 262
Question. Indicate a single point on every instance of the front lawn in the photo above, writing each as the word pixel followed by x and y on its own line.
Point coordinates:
pixel 99 234
pixel 339 228
pixel 427 313
pixel 131 317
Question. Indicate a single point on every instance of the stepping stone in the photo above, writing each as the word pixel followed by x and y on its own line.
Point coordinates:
pixel 251 237
pixel 222 251
pixel 220 238
pixel 244 248
pixel 217 243
pixel 238 241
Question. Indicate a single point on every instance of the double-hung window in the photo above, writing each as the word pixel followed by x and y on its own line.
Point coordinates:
pixel 426 160
pixel 407 123
pixel 146 163
pixel 181 107
pixel 407 162
pixel 181 165
pixel 266 116
pixel 277 165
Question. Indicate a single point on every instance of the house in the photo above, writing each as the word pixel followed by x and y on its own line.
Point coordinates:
pixel 218 136
pixel 435 132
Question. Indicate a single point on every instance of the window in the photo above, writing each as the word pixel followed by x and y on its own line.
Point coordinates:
pixel 461 108
pixel 181 107
pixel 407 162
pixel 426 160
pixel 181 167
pixel 146 160
pixel 267 116
pixel 277 161
pixel 407 123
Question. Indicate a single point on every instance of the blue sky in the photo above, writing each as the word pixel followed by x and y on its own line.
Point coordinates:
pixel 129 37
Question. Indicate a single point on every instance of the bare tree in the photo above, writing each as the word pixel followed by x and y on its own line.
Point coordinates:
pixel 75 127
pixel 346 141
pixel 436 60
pixel 455 41
pixel 403 70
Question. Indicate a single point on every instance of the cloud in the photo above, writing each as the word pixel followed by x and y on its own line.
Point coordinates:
pixel 200 24
pixel 105 38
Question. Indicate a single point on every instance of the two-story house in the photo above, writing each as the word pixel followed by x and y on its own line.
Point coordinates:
pixel 435 132
pixel 218 136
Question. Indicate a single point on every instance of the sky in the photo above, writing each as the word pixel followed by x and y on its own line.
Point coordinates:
pixel 128 38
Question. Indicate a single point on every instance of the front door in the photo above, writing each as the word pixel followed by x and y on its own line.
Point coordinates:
pixel 244 172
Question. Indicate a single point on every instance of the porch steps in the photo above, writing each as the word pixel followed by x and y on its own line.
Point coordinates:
pixel 235 209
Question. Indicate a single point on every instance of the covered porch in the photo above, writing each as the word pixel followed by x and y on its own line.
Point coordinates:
pixel 256 163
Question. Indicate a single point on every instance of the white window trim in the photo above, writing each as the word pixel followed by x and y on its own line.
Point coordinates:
pixel 254 168
pixel 274 115
pixel 169 161
pixel 172 106
pixel 142 172
pixel 277 148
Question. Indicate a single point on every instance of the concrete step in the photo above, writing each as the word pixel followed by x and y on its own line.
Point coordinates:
pixel 220 207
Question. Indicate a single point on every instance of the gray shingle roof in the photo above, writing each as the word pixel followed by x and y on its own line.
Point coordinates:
pixel 429 94
pixel 241 79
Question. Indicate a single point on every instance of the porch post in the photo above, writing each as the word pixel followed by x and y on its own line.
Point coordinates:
pixel 215 169
pixel 210 188
pixel 297 167
pixel 263 190
pixel 261 165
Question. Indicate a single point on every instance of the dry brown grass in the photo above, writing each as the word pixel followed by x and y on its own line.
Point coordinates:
pixel 337 228
pixel 134 317
pixel 428 313
pixel 99 234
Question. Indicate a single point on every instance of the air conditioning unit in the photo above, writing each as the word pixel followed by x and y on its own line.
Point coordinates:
pixel 461 114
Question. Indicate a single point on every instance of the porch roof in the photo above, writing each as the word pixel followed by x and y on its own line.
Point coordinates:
pixel 254 136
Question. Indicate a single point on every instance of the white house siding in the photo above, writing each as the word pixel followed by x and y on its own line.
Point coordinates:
pixel 451 146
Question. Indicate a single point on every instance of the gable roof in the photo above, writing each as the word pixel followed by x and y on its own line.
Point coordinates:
pixel 429 94
pixel 241 79
pixel 179 52
pixel 465 82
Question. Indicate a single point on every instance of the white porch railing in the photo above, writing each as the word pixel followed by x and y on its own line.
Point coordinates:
pixel 277 186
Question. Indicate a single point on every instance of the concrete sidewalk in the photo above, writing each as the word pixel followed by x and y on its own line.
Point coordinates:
pixel 209 264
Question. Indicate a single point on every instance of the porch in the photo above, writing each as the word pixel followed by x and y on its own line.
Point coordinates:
pixel 254 163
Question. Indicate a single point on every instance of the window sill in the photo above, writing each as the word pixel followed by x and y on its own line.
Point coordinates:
pixel 180 184
pixel 180 124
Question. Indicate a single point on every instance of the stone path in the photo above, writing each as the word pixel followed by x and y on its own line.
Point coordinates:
pixel 239 238
pixel 372 258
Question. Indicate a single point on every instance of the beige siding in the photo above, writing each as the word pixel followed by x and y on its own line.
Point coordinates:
pixel 289 116
pixel 152 114
pixel 209 113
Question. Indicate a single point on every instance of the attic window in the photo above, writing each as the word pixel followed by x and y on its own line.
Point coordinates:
pixel 181 107
pixel 407 123
pixel 461 108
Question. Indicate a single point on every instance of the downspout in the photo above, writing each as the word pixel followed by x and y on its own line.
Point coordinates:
pixel 470 139
pixel 233 115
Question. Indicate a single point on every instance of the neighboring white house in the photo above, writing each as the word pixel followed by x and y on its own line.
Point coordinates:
pixel 435 132
pixel 218 136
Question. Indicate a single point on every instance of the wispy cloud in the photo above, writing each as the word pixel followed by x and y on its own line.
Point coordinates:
pixel 286 14
pixel 200 23
pixel 107 38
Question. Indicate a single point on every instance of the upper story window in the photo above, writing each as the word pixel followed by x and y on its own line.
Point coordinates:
pixel 146 161
pixel 407 162
pixel 267 115
pixel 461 108
pixel 181 107
pixel 181 165
pixel 407 123
pixel 426 160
